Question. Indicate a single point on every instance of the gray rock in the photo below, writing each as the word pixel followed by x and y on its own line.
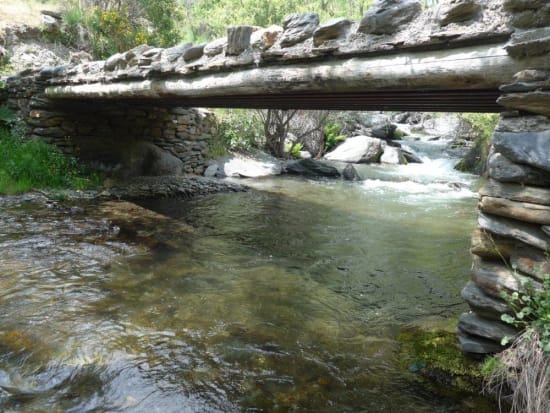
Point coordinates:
pixel 530 148
pixel 524 123
pixel 520 193
pixel 115 60
pixel 537 101
pixel 332 29
pixel 483 304
pixel 527 43
pixel 383 130
pixel 238 39
pixel 298 27
pixel 477 345
pixel 256 165
pixel 46 72
pixel 305 155
pixel 147 159
pixel 393 156
pixel 504 170
pixel 215 47
pixel 530 19
pixel 311 168
pixel 475 325
pixel 173 53
pixel 358 149
pixel 546 229
pixel 194 52
pixel 454 11
pixel 350 173
pixel 529 233
pixel 211 171
pixel 520 5
pixel 411 157
pixel 530 261
pixel 389 16
pixel 265 38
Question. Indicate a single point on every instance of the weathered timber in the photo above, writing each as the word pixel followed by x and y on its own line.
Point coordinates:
pixel 473 68
pixel 523 211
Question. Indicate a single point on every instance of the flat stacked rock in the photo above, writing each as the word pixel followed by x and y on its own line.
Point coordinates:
pixel 510 246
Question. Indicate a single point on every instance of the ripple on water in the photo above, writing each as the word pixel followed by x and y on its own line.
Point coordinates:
pixel 288 298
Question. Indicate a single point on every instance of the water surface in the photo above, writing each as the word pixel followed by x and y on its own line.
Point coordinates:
pixel 289 297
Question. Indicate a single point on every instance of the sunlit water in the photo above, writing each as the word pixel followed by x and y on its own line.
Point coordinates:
pixel 289 297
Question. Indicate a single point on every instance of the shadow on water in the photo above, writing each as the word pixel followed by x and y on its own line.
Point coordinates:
pixel 286 298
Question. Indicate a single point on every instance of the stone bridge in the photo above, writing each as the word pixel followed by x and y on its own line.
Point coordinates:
pixel 461 55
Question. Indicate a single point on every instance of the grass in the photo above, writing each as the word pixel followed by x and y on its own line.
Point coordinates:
pixel 521 376
pixel 28 164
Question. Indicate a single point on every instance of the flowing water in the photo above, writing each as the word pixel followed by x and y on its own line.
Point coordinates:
pixel 289 297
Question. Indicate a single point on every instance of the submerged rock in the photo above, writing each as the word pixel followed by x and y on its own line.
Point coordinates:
pixel 350 173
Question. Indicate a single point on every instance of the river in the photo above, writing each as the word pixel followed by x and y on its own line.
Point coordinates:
pixel 287 298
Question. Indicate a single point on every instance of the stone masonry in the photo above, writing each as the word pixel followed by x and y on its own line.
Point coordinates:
pixel 511 245
pixel 107 134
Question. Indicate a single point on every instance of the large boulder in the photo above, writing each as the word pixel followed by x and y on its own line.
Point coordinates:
pixel 298 27
pixel 147 159
pixel 311 168
pixel 256 165
pixel 383 129
pixel 350 173
pixel 389 16
pixel 358 149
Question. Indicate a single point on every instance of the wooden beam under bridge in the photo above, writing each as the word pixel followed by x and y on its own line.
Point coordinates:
pixel 465 80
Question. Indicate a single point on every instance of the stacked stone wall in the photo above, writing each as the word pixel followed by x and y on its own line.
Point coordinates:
pixel 510 247
pixel 107 134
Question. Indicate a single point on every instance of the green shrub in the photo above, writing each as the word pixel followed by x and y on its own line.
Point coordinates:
pixel 28 164
pixel 294 149
pixel 484 124
pixel 333 136
pixel 531 311
pixel 238 130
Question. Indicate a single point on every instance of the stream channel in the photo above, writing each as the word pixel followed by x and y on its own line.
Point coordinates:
pixel 287 298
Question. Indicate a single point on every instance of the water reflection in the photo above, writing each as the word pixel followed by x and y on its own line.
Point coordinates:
pixel 286 298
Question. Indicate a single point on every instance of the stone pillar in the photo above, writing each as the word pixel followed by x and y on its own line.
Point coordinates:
pixel 511 243
pixel 117 137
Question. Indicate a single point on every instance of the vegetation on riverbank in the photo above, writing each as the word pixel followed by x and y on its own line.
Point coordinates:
pixel 483 125
pixel 28 164
pixel 521 373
